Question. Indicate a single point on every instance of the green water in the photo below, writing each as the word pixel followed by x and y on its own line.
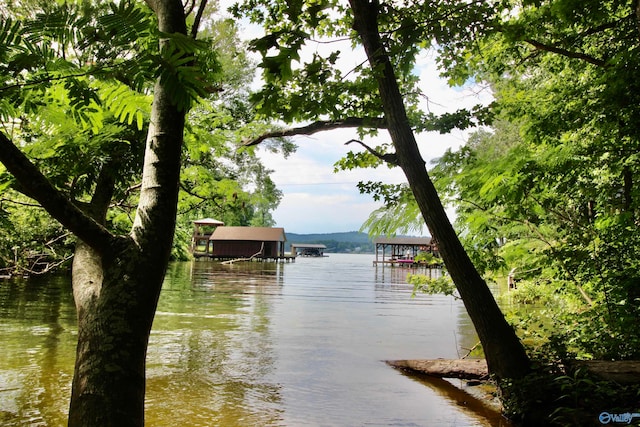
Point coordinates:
pixel 255 344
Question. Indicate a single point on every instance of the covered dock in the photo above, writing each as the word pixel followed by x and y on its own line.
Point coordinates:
pixel 308 249
pixel 249 243
pixel 202 231
pixel 402 251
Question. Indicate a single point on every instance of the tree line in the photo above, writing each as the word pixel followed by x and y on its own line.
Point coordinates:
pixel 347 242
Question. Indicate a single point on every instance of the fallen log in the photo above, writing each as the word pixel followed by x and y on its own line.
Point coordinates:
pixel 467 369
pixel 620 371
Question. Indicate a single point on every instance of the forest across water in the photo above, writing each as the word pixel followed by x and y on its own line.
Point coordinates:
pixel 343 242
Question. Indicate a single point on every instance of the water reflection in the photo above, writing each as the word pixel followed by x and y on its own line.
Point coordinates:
pixel 37 331
pixel 211 348
pixel 461 395
pixel 300 344
pixel 398 273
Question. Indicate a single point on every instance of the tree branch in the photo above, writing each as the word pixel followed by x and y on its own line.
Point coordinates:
pixel 202 201
pixel 15 202
pixel 46 79
pixel 320 126
pixel 52 200
pixel 388 157
pixel 104 190
pixel 198 18
pixel 564 52
pixel 636 10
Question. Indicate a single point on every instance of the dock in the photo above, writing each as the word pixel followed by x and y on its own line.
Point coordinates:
pixel 210 256
pixel 412 252
pixel 213 240
pixel 406 263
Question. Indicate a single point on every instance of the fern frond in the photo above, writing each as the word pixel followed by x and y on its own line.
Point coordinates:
pixel 127 24
pixel 183 43
pixel 7 110
pixel 125 104
pixel 58 25
pixel 182 67
pixel 10 37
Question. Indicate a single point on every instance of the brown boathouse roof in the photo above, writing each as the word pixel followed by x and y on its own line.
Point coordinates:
pixel 259 234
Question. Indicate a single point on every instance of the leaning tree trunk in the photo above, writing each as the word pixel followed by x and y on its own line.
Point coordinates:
pixel 506 357
pixel 116 286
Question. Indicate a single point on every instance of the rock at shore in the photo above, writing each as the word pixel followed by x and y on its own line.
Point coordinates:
pixel 468 369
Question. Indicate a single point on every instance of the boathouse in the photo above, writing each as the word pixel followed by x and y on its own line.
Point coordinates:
pixel 308 249
pixel 403 250
pixel 202 231
pixel 247 242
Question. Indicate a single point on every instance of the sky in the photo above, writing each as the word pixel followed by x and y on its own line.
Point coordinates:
pixel 317 200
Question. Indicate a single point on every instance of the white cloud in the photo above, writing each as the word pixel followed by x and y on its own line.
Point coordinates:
pixel 306 212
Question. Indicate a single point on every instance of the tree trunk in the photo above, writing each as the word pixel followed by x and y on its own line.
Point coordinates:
pixel 505 355
pixel 117 280
pixel 116 288
pixel 113 329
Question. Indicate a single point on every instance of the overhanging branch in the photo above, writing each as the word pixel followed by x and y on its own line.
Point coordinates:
pixel 320 126
pixel 52 200
pixel 564 52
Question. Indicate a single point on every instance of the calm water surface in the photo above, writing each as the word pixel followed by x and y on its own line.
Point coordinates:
pixel 255 344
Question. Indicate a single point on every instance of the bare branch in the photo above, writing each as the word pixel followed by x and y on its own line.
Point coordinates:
pixel 55 239
pixel 321 126
pixel 569 54
pixel 196 21
pixel 41 266
pixel 15 202
pixel 388 157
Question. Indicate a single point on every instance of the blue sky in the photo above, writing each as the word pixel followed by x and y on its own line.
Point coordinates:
pixel 316 200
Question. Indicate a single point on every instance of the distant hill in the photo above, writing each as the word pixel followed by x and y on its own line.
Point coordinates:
pixel 349 242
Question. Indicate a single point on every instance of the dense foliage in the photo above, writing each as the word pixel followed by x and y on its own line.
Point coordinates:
pixel 515 218
pixel 75 94
pixel 552 190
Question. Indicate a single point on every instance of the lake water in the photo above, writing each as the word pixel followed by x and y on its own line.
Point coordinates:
pixel 256 344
